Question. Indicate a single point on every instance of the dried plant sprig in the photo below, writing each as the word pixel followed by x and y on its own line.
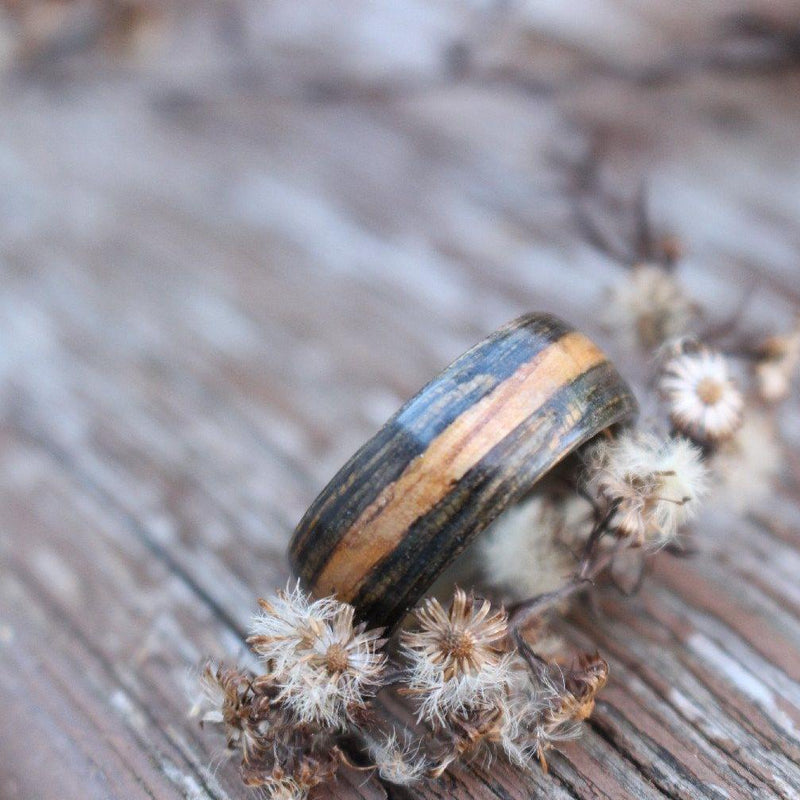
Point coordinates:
pixel 704 403
pixel 472 688
pixel 535 705
pixel 276 754
pixel 321 671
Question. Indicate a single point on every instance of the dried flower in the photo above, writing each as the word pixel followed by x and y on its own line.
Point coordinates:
pixel 213 696
pixel 223 700
pixel 286 625
pixel 703 401
pixel 570 703
pixel 324 665
pixel 647 485
pixel 650 306
pixel 547 705
pixel 779 357
pixel 523 551
pixel 456 659
pixel 400 763
pixel 469 680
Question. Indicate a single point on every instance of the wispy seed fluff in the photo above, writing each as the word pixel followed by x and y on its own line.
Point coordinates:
pixel 283 789
pixel 523 552
pixel 324 665
pixel 217 692
pixel 455 659
pixel 650 486
pixel 400 763
pixel 704 403
pixel 649 306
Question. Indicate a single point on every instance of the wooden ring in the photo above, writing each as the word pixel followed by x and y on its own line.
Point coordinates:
pixel 468 445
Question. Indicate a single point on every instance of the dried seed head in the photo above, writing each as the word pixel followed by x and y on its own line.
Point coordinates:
pixel 547 705
pixel 523 551
pixel 703 401
pixel 779 357
pixel 455 658
pixel 231 699
pixel 572 703
pixel 324 666
pixel 223 700
pixel 286 624
pixel 583 684
pixel 650 486
pixel 650 306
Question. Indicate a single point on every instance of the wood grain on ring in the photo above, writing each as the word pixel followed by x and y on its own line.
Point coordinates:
pixel 473 441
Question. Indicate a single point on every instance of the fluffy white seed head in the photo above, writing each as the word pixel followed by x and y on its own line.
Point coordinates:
pixel 651 485
pixel 649 306
pixel 324 665
pixel 286 624
pixel 455 658
pixel 523 551
pixel 704 402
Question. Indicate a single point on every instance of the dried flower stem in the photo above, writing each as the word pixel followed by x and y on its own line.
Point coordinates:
pixel 524 613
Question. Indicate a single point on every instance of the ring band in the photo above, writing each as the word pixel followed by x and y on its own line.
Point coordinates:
pixel 468 445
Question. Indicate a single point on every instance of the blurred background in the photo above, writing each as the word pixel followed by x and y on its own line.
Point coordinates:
pixel 235 236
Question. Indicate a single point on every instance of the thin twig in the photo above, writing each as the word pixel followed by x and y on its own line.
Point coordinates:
pixel 530 609
pixel 600 527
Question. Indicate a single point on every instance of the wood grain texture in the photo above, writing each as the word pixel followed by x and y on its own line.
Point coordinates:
pixel 472 442
pixel 226 264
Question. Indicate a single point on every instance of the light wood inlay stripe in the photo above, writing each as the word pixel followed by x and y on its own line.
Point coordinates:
pixel 431 475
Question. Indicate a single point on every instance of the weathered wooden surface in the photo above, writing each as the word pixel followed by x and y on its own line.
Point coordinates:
pixel 226 263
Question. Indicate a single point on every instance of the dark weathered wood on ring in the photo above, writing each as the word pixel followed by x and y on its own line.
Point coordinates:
pixel 471 443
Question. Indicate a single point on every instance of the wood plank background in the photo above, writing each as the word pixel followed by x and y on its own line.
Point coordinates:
pixel 234 240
